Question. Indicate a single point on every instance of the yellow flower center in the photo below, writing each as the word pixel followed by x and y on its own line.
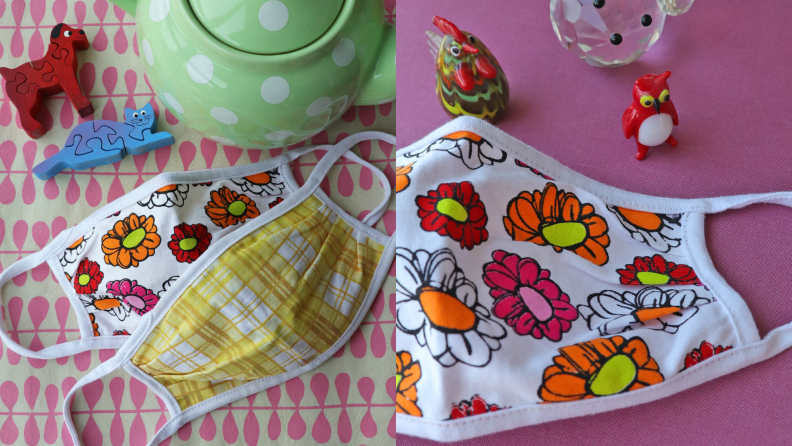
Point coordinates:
pixel 259 178
pixel 446 311
pixel 451 208
pixel 188 244
pixel 650 278
pixel 398 380
pixel 237 208
pixel 654 313
pixel 565 234
pixel 84 279
pixel 644 220
pixel 134 238
pixel 614 376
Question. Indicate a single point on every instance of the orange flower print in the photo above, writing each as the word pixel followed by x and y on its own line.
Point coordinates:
pixel 94 324
pixel 408 372
pixel 660 231
pixel 402 177
pixel 597 368
pixel 131 241
pixel 559 219
pixel 228 208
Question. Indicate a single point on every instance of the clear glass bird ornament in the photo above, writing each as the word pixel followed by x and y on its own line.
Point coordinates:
pixel 611 33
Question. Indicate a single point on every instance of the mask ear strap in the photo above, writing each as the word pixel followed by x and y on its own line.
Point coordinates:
pixel 342 149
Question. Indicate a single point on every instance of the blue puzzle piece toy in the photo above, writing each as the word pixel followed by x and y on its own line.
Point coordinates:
pixel 100 142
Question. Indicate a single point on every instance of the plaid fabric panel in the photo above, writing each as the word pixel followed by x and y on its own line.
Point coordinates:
pixel 271 303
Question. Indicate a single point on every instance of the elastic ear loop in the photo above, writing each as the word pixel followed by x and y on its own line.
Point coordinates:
pixel 24 265
pixel 343 149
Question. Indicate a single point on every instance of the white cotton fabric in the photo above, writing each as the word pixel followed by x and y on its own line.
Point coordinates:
pixel 494 362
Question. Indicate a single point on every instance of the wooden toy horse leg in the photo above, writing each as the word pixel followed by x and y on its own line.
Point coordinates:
pixel 642 149
pixel 75 95
pixel 28 107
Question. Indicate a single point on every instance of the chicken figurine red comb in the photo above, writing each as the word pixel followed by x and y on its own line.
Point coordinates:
pixel 652 116
pixel 469 79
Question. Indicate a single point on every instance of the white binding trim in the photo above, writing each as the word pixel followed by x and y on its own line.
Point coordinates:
pixel 754 350
pixel 152 318
pixel 608 194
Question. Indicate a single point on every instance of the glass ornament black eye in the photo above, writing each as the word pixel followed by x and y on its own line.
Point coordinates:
pixel 646 20
pixel 599 3
pixel 616 38
pixel 455 51
pixel 648 103
pixel 471 39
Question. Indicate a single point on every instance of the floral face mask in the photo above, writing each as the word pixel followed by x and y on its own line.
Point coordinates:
pixel 218 284
pixel 528 293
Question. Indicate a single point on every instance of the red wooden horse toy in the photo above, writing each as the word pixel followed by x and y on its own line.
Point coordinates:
pixel 55 72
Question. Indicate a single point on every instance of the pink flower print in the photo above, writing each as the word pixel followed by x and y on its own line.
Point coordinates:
pixel 526 298
pixel 140 299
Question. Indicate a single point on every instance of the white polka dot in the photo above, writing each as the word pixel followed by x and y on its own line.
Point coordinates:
pixel 273 15
pixel 318 106
pixel 279 135
pixel 173 103
pixel 147 52
pixel 223 141
pixel 275 90
pixel 200 69
pixel 158 9
pixel 224 115
pixel 344 52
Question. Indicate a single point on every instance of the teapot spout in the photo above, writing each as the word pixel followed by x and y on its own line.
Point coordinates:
pixel 381 87
pixel 130 6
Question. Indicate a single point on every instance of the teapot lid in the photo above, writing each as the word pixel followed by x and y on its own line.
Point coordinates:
pixel 274 27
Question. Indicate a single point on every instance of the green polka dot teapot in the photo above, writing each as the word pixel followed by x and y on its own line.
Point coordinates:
pixel 264 73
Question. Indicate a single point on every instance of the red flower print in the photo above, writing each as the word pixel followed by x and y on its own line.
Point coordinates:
pixel 88 277
pixel 522 164
pixel 656 270
pixel 454 209
pixel 277 201
pixel 188 242
pixel 476 406
pixel 526 298
pixel 705 351
pixel 120 333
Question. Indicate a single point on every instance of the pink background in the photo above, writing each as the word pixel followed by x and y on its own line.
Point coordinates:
pixel 731 85
pixel 349 399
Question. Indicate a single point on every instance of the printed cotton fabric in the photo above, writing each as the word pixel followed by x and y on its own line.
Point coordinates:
pixel 517 288
pixel 274 301
pixel 124 265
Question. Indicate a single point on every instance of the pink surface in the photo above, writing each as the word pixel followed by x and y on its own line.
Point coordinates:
pixel 731 85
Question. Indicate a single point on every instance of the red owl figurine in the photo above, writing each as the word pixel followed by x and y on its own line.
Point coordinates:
pixel 651 116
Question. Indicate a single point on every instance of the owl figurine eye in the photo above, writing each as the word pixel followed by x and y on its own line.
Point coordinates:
pixel 665 96
pixel 647 101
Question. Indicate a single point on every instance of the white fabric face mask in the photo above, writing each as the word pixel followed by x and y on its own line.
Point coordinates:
pixel 529 293
pixel 262 280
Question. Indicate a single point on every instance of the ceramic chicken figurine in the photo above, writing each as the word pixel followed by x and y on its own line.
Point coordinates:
pixel 469 79
pixel 652 115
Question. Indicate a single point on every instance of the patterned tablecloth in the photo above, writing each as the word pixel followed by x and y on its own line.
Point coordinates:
pixel 349 399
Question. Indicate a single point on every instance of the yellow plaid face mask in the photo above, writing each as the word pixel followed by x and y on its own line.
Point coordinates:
pixel 261 280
